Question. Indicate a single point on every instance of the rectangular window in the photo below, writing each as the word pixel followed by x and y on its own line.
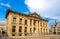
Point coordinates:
pixel 13 28
pixel 40 23
pixel 14 20
pixel 25 29
pixel 30 30
pixel 46 24
pixel 41 29
pixel 34 23
pixel 44 30
pixel 25 34
pixel 30 21
pixel 43 24
pixel 13 34
pixel 34 30
pixel 20 21
pixel 3 32
pixel 25 22
pixel 20 34
pixel 20 29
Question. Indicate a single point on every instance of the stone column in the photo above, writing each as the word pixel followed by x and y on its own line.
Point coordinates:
pixel 28 29
pixel 17 26
pixel 23 26
pixel 32 27
pixel 37 28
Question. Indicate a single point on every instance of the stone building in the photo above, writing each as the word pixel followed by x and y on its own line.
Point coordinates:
pixel 2 28
pixel 56 29
pixel 19 24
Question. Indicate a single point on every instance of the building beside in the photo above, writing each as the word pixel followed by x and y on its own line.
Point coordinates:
pixel 19 24
pixel 56 29
pixel 2 28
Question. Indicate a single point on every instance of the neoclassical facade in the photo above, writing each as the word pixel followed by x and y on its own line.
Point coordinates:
pixel 19 24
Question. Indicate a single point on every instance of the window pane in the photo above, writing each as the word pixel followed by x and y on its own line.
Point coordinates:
pixel 25 34
pixel 34 23
pixel 20 29
pixel 3 32
pixel 20 21
pixel 13 34
pixel 25 29
pixel 34 30
pixel 30 21
pixel 20 34
pixel 14 20
pixel 25 22
pixel 40 23
pixel 13 28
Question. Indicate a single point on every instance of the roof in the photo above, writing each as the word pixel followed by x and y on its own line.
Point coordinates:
pixel 7 13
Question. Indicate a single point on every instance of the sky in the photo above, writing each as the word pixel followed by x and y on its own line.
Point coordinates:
pixel 47 9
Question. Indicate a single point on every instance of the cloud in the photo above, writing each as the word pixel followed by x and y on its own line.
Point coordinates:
pixel 3 4
pixel 46 8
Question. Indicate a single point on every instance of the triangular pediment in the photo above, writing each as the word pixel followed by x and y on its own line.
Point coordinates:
pixel 35 15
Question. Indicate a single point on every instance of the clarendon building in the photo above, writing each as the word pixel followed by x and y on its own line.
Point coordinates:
pixel 19 24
